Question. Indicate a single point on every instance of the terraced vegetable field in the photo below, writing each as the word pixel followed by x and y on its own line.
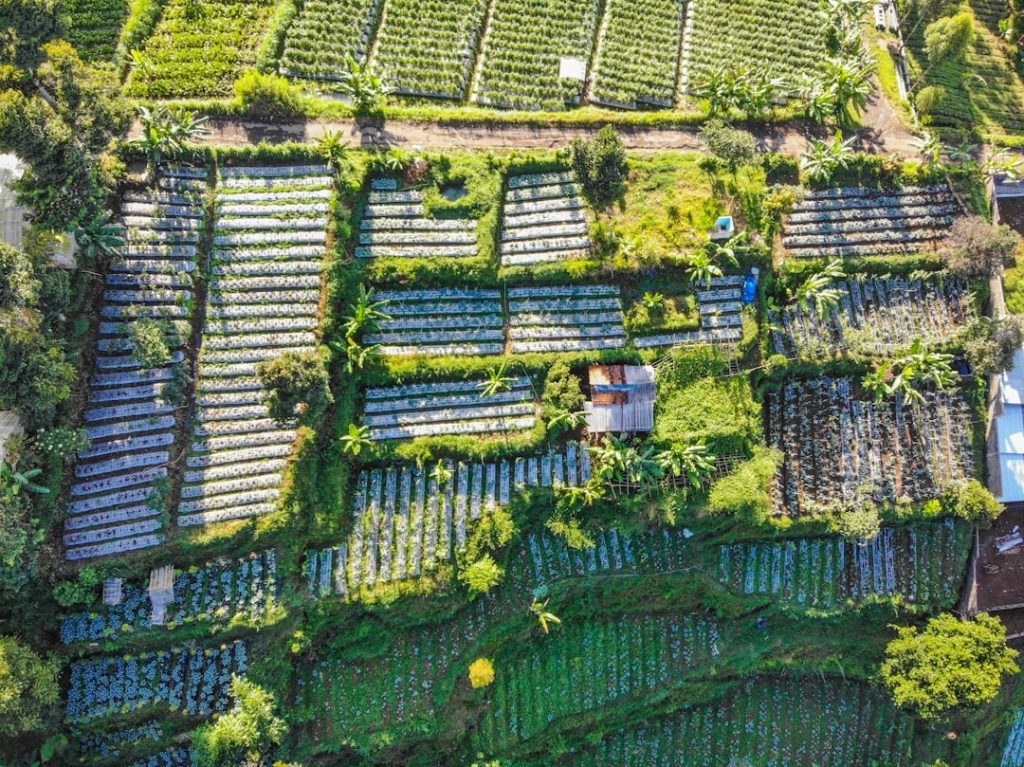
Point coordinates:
pixel 772 721
pixel 588 666
pixel 841 448
pixel 719 307
pixel 781 38
pixel 192 679
pixel 219 590
pixel 637 58
pixel 94 27
pixel 269 242
pixel 544 220
pixel 458 407
pixel 876 315
pixel 394 226
pixel 923 565
pixel 565 319
pixel 325 33
pixel 427 47
pixel 1013 754
pixel 408 518
pixel 861 221
pixel 200 49
pixel 116 506
pixel 522 47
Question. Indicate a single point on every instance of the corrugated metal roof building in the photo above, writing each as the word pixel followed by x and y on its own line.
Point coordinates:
pixel 621 399
pixel 1006 434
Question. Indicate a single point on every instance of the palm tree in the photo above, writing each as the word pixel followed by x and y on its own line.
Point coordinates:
pixel 817 288
pixel 334 149
pixel 362 84
pixel 165 132
pixel 356 440
pixel 98 237
pixel 700 267
pixel 567 419
pixel 695 462
pixel 366 313
pixel 581 496
pixel 544 616
pixel 1005 165
pixel 496 382
pixel 848 78
pixel 441 474
pixel 356 356
pixel 910 371
pixel 930 147
pixel 16 481
pixel 826 157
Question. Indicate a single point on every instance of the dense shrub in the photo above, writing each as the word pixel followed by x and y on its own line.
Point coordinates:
pixel 601 166
pixel 248 731
pixel 28 687
pixel 269 96
pixel 297 384
pixel 482 575
pixel 746 492
pixel 990 344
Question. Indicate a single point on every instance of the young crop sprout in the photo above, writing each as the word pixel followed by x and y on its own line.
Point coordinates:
pixel 356 440
pixel 496 382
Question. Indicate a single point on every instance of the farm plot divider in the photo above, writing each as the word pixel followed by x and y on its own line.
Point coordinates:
pixel 116 504
pixel 408 518
pixel 268 248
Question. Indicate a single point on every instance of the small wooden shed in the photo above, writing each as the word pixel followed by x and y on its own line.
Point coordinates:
pixel 621 399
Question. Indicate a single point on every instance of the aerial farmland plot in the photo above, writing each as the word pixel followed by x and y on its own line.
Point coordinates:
pixel 510 383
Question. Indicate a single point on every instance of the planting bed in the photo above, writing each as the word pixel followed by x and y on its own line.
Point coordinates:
pixel 841 449
pixel 1013 754
pixel 876 315
pixel 394 226
pixel 325 33
pixel 522 48
pixel 427 47
pixel 781 38
pixel 117 497
pixel 174 757
pixel 795 721
pixel 193 679
pixel 543 220
pixel 440 322
pixel 563 319
pixel 863 221
pixel 922 564
pixel 638 55
pixel 95 26
pixel 408 518
pixel 719 305
pixel 268 246
pixel 200 49
pixel 586 666
pixel 457 407
pixel 219 590
pixel 109 745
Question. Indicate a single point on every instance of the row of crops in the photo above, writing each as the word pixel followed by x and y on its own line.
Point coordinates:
pixel 589 665
pixel 220 590
pixel 721 321
pixel 94 27
pixel 862 221
pixel 192 679
pixel 268 246
pixel 394 226
pixel 877 315
pixel 408 518
pixel 840 448
pixel 200 49
pixel 325 33
pixel 791 721
pixel 115 506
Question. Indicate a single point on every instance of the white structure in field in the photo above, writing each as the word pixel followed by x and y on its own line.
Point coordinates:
pixel 1006 434
pixel 572 68
pixel 12 215
pixel 621 399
